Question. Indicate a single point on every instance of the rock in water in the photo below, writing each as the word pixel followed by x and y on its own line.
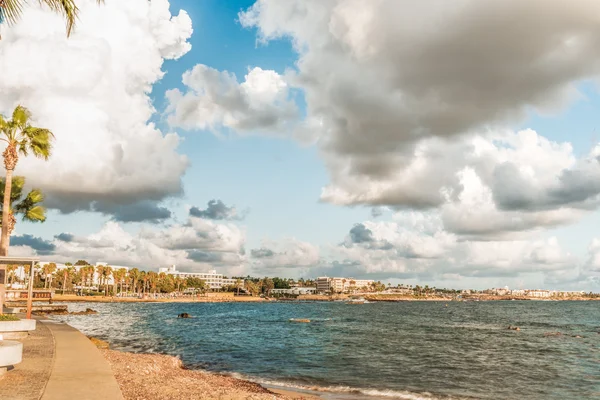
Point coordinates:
pixel 183 315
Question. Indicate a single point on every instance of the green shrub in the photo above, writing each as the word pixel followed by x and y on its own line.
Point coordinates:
pixel 9 317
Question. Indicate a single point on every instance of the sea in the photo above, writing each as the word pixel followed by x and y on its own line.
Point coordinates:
pixel 404 350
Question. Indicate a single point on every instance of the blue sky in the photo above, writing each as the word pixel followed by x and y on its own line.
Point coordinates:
pixel 276 182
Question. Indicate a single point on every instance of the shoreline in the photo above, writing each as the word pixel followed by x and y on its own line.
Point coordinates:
pixel 308 298
pixel 152 376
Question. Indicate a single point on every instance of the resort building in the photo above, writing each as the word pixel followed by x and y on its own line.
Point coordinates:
pixel 295 290
pixel 342 285
pixel 212 279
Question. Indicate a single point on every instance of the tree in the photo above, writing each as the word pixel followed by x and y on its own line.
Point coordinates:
pixel 107 272
pixel 82 262
pixel 196 283
pixel 66 273
pixel 268 285
pixel 28 207
pixel 10 271
pixel 48 270
pixel 238 284
pixel 11 10
pixel 20 137
pixel 251 287
pixel 134 275
pixel 118 277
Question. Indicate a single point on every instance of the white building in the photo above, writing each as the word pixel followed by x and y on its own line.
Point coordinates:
pixel 342 285
pixel 295 290
pixel 212 279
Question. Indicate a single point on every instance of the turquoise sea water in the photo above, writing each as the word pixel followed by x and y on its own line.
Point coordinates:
pixel 407 350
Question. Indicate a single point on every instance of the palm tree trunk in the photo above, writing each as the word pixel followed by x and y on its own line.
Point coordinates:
pixel 4 240
pixel 64 284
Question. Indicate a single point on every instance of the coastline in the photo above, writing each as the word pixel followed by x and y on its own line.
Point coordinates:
pixel 164 377
pixel 217 298
pixel 110 299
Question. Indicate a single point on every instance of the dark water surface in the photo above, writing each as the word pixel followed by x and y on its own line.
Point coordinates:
pixel 407 350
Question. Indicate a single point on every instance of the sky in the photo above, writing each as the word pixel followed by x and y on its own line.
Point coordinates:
pixel 453 144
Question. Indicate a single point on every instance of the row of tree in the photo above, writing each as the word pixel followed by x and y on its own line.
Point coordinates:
pixel 105 279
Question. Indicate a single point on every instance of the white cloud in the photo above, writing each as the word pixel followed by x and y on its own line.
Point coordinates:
pixel 198 245
pixel 403 97
pixel 416 245
pixel 215 100
pixel 286 253
pixel 92 90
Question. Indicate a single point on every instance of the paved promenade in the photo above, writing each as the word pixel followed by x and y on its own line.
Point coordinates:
pixel 28 380
pixel 60 363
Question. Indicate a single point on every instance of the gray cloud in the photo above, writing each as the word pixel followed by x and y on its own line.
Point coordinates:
pixel 376 212
pixel 143 211
pixel 65 237
pixel 578 187
pixel 204 256
pixel 377 88
pixel 216 210
pixel 360 234
pixel 262 253
pixel 41 246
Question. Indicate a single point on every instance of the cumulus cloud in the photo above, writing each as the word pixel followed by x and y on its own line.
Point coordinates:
pixel 142 211
pixel 416 245
pixel 404 97
pixel 197 245
pixel 217 210
pixel 41 246
pixel 65 237
pixel 214 99
pixel 92 90
pixel 285 256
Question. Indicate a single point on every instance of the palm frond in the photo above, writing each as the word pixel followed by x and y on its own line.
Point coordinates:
pixel 11 10
pixel 66 7
pixel 21 116
pixel 30 207
pixel 35 214
pixel 36 140
pixel 16 191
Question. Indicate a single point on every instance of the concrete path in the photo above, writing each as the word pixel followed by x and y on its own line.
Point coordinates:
pixel 79 371
pixel 28 379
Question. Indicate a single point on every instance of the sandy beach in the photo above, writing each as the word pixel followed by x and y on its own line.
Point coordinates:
pixel 162 377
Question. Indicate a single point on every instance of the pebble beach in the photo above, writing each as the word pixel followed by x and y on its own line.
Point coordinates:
pixel 163 377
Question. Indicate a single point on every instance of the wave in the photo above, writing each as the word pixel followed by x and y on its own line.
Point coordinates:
pixel 375 393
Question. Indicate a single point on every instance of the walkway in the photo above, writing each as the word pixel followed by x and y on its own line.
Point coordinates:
pixel 80 371
pixel 28 379
pixel 59 363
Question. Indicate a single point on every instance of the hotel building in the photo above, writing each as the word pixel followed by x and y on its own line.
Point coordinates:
pixel 326 284
pixel 212 279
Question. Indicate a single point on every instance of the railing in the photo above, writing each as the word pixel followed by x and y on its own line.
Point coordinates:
pixel 15 295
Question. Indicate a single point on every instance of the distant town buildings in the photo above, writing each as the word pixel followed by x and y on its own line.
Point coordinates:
pixel 532 293
pixel 211 278
pixel 299 290
pixel 325 284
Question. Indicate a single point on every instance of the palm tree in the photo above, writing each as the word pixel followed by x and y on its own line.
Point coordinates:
pixel 48 270
pixel 29 207
pixel 134 275
pixel 107 271
pixel 11 10
pixel 238 283
pixel 20 137
pixel 10 273
pixel 67 272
